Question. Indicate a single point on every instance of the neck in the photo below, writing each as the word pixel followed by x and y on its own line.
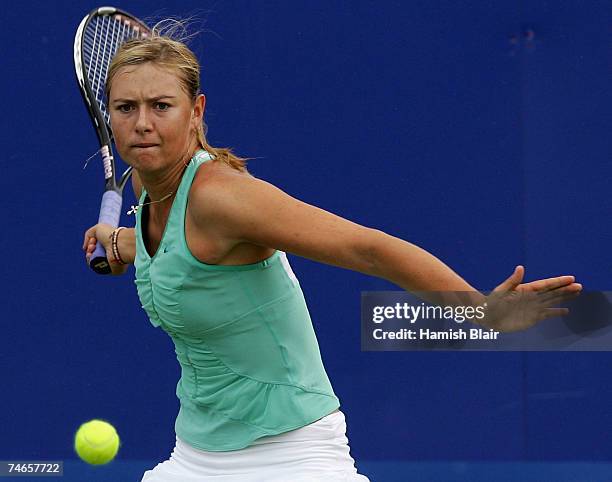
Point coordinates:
pixel 160 184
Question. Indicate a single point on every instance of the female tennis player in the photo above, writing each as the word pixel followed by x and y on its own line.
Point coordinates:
pixel 209 248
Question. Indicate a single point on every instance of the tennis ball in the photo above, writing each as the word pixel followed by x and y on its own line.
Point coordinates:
pixel 96 442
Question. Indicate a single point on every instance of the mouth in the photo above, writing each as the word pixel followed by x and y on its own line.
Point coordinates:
pixel 144 145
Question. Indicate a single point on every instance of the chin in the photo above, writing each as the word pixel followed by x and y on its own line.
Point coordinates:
pixel 144 162
pixel 146 155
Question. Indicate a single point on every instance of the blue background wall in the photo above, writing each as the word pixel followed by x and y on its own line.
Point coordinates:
pixel 440 122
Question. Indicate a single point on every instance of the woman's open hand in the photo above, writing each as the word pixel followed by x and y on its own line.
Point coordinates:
pixel 515 306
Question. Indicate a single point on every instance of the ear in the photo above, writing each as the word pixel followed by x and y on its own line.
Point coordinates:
pixel 198 111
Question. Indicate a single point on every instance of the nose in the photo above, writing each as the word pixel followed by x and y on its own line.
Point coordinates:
pixel 143 122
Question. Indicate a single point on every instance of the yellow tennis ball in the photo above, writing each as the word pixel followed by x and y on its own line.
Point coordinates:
pixel 96 442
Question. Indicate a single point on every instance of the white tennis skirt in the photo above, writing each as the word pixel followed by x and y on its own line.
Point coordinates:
pixel 318 452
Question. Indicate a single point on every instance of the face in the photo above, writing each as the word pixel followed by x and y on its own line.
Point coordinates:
pixel 153 119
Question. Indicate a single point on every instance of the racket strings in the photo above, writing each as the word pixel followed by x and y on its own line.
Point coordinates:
pixel 101 40
pixel 91 157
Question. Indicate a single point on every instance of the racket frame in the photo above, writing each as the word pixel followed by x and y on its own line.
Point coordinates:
pixel 110 210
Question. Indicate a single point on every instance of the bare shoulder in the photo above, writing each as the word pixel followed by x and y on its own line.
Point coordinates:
pixel 216 203
pixel 215 172
pixel 215 190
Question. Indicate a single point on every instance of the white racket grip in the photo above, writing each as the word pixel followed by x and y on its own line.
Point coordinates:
pixel 110 208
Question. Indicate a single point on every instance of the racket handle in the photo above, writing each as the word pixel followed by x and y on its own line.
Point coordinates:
pixel 110 213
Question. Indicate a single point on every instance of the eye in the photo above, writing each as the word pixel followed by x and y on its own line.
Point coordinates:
pixel 125 108
pixel 162 106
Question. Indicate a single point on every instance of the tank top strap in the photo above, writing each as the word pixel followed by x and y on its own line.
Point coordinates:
pixel 199 158
pixel 176 219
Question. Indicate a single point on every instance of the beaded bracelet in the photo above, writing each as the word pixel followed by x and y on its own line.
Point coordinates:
pixel 114 237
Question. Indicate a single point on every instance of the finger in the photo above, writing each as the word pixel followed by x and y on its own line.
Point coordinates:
pixel 513 281
pixel 555 299
pixel 549 283
pixel 573 289
pixel 554 313
pixel 88 235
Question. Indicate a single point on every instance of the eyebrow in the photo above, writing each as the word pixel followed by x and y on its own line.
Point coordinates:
pixel 152 99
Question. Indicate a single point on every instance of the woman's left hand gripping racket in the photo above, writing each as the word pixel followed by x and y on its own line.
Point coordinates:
pixel 97 39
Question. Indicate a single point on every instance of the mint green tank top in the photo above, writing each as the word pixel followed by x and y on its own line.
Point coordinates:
pixel 249 357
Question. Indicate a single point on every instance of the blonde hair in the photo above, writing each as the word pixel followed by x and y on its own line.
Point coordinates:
pixel 173 54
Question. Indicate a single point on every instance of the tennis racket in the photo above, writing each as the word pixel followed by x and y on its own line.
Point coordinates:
pixel 97 39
